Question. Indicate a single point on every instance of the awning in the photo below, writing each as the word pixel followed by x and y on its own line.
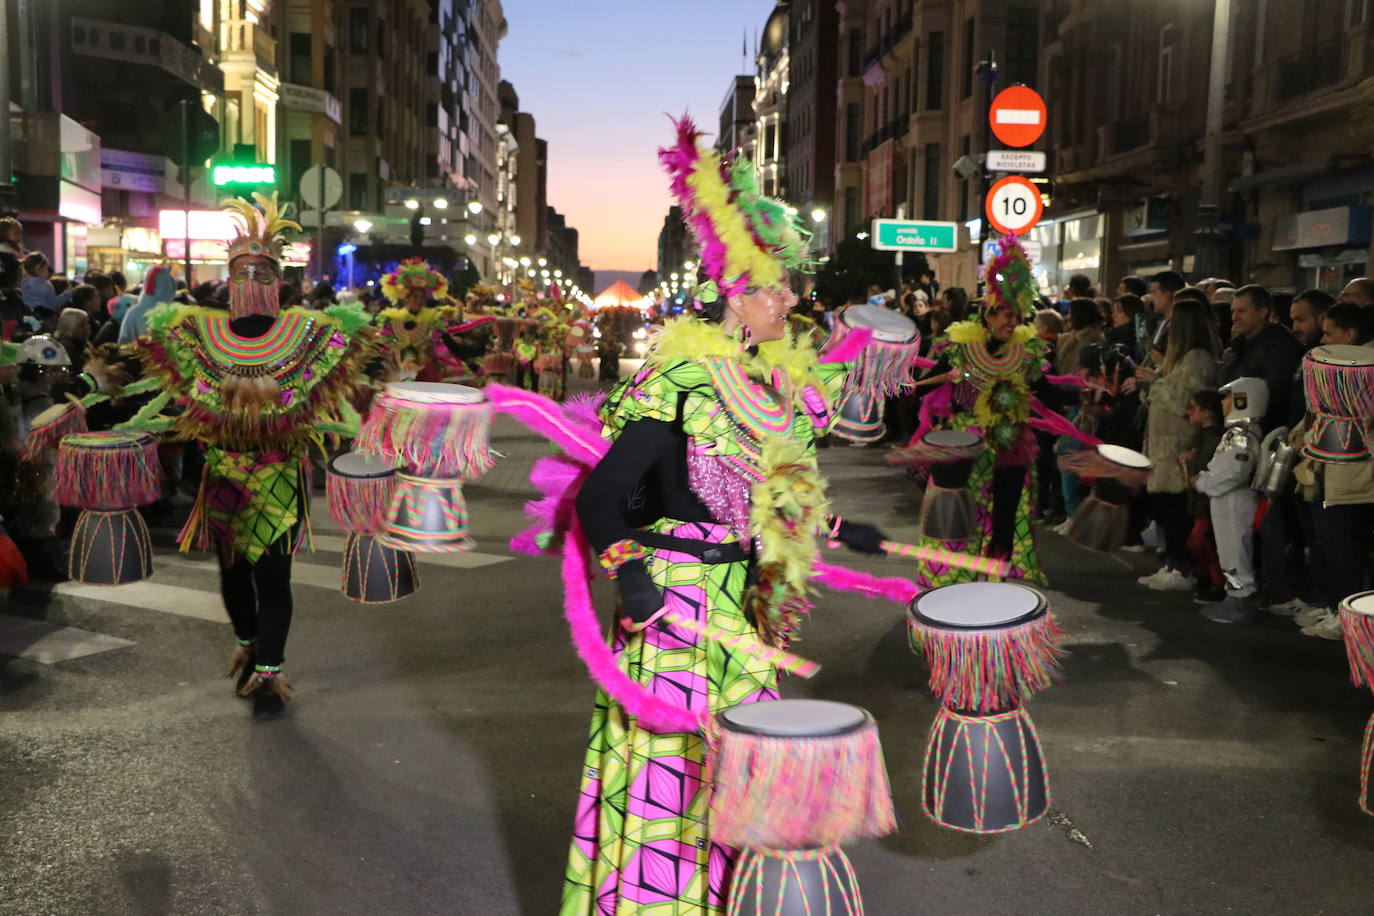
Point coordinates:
pixel 1284 174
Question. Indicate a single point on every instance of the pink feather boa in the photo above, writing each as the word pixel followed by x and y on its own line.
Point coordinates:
pixel 849 348
pixel 892 588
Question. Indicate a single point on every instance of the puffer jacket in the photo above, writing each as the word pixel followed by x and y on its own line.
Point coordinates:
pixel 1167 431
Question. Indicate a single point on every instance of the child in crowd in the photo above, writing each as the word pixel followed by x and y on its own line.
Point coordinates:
pixel 1227 481
pixel 1205 413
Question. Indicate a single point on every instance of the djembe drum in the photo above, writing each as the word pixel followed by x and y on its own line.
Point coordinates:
pixel 881 371
pixel 947 509
pixel 440 433
pixel 108 475
pixel 990 647
pixel 795 779
pixel 360 488
pixel 1102 522
pixel 1357 623
pixel 1338 383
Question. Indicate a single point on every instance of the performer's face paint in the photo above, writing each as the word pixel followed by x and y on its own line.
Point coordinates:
pixel 1001 322
pixel 763 310
pixel 254 284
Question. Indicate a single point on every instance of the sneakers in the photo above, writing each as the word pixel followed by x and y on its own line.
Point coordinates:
pixel 1311 616
pixel 1293 607
pixel 1168 580
pixel 1231 609
pixel 1329 627
pixel 1207 593
pixel 1063 527
pixel 1137 548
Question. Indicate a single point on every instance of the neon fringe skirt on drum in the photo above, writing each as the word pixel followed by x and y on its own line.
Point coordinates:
pixel 642 838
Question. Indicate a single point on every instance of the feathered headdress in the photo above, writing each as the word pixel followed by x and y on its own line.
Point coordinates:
pixel 414 274
pixel 1009 279
pixel 260 226
pixel 746 239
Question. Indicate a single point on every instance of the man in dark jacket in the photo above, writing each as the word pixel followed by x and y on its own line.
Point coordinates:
pixel 1261 348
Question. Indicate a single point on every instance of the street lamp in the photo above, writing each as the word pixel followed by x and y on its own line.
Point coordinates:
pixel 470 239
pixel 441 203
pixel 688 265
pixel 412 203
pixel 525 262
pixel 818 215
pixel 494 239
pixel 515 241
pixel 558 274
pixel 543 262
pixel 474 207
pixel 363 226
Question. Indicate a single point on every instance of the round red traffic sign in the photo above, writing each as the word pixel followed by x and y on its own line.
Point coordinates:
pixel 1014 205
pixel 1017 116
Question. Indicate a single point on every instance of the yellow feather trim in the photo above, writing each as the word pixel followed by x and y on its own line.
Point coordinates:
pixel 967 332
pixel 1023 334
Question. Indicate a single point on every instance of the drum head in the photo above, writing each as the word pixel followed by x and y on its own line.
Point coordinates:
pixel 50 416
pixel 952 438
pixel 354 464
pixel 1360 603
pixel 978 606
pixel 435 393
pixel 887 326
pixel 104 439
pixel 1342 355
pixel 793 718
pixel 1125 457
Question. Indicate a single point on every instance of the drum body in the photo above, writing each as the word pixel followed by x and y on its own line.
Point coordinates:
pixel 948 512
pixel 797 774
pixel 881 371
pixel 1338 384
pixel 984 773
pixel 1102 522
pixel 374 573
pixel 359 489
pixel 802 883
pixel 110 548
pixel 434 429
pixel 427 515
pixel 990 647
pixel 1357 624
pixel 107 471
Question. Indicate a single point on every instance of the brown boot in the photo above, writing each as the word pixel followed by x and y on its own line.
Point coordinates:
pixel 268 690
pixel 241 665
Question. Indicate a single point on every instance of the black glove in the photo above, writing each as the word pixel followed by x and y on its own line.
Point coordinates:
pixel 859 537
pixel 640 599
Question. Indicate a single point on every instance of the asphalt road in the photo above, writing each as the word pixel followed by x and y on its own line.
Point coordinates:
pixel 430 759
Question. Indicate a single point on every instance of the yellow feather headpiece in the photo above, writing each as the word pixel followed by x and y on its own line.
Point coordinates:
pixel 260 226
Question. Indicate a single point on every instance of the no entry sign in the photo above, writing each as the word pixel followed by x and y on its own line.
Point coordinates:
pixel 1014 205
pixel 1017 116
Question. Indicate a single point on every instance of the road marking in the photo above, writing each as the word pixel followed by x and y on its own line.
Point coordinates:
pixel 50 643
pixel 1017 116
pixel 151 596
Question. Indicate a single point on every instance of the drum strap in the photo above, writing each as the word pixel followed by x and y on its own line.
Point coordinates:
pixel 708 552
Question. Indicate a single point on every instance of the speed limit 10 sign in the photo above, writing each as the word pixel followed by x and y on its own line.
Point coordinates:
pixel 1013 205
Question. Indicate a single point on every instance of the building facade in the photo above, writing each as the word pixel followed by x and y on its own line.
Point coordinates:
pixel 771 78
pixel 809 135
pixel 737 118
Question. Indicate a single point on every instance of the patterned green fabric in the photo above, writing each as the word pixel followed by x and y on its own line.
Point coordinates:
pixel 250 501
pixel 641 844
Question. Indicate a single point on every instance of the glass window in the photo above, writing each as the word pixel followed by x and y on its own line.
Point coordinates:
pixel 935 71
pixel 357 29
pixel 299 64
pixel 357 111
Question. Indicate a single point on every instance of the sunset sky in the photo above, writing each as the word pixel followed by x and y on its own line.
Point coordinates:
pixel 599 76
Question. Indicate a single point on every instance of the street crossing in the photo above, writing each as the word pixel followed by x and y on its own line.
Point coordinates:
pixel 187 585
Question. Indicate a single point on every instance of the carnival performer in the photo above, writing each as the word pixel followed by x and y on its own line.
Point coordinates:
pixel 256 386
pixel 706 505
pixel 417 331
pixel 987 375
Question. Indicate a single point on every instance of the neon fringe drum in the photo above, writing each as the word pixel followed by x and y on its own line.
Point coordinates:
pixel 793 781
pixel 359 489
pixel 990 647
pixel 1357 623
pixel 882 370
pixel 1338 384
pixel 1102 522
pixel 108 475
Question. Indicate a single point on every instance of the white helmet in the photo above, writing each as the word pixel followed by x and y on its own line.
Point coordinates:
pixel 1249 400
pixel 41 350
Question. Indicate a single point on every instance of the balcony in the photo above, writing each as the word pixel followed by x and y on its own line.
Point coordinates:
pixel 887 41
pixel 1310 69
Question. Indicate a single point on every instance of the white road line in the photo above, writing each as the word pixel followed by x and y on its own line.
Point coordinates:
pixel 49 643
pixel 151 596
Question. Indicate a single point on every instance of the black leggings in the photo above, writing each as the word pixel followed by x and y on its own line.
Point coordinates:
pixel 1171 511
pixel 258 599
pixel 1007 486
